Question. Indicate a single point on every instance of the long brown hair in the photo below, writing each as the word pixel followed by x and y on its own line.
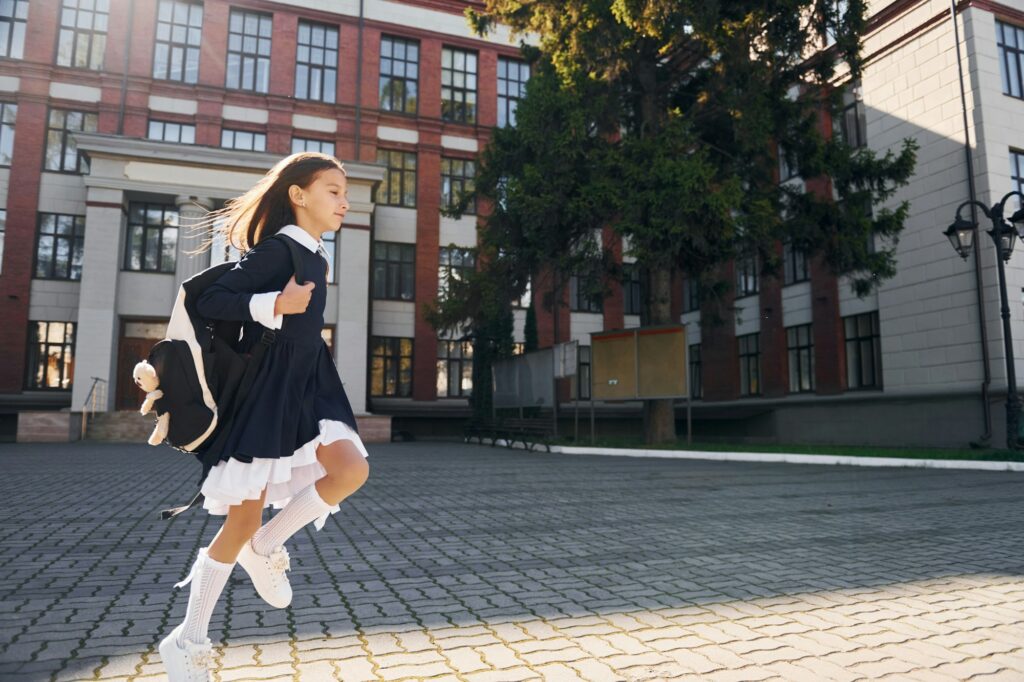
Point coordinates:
pixel 259 213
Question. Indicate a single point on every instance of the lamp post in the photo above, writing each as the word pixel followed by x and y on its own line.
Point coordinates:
pixel 961 235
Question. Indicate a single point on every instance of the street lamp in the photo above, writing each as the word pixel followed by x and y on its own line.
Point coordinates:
pixel 961 235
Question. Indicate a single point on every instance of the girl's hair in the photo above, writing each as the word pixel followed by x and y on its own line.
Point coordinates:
pixel 259 213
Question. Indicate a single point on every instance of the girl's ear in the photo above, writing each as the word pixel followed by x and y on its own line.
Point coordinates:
pixel 295 194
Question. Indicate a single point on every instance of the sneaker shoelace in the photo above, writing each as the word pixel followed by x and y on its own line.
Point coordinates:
pixel 279 560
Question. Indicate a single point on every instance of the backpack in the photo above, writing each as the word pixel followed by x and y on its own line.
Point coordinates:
pixel 202 379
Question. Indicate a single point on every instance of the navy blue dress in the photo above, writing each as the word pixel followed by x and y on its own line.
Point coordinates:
pixel 297 384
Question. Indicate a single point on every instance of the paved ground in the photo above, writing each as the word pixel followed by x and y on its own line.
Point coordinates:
pixel 461 562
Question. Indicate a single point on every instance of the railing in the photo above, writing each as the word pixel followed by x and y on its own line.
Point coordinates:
pixel 95 396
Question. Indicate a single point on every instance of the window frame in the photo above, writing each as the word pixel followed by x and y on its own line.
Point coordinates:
pixel 190 52
pixel 81 165
pixel 392 359
pixel 444 254
pixel 257 135
pixel 1004 50
pixel 747 276
pixel 464 180
pixel 76 244
pixel 146 228
pixel 327 74
pixel 260 61
pixel 405 98
pixel 750 364
pixel 407 177
pixel 451 111
pixel 461 360
pixel 76 31
pixel 508 103
pixel 797 350
pixel 67 356
pixel 854 346
pixel 7 131
pixel 10 24
pixel 696 371
pixel 406 271
pixel 182 127
pixel 795 265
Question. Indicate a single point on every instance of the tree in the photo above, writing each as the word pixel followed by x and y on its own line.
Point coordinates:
pixel 666 120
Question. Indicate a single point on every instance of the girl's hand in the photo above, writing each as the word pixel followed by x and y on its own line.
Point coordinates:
pixel 294 299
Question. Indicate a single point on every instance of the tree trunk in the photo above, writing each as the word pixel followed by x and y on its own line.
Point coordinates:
pixel 660 415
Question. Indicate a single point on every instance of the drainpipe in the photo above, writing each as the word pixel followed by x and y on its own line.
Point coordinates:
pixel 983 441
pixel 124 70
pixel 359 86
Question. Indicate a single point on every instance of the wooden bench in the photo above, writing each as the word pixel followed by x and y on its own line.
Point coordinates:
pixel 529 431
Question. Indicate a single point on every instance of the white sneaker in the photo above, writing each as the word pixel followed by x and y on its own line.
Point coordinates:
pixel 267 573
pixel 188 663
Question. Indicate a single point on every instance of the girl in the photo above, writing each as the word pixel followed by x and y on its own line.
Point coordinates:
pixel 294 443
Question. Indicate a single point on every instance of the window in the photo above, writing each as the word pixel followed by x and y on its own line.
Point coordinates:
pixel 83 33
pixel 394 271
pixel 580 297
pixel 391 367
pixel 852 120
pixel 179 33
pixel 1017 171
pixel 746 276
pixel 8 112
pixel 696 378
pixel 398 188
pixel 454 369
pixel 302 144
pixel 152 242
pixel 169 131
pixel 457 178
pixel 458 85
pixel 750 364
pixel 863 351
pixel 59 242
pixel 248 66
pixel 794 265
pixel 631 289
pixel 800 344
pixel 1011 58
pixel 61 150
pixel 838 9
pixel 787 165
pixel 13 15
pixel 583 373
pixel 399 74
pixel 3 233
pixel 456 262
pixel 244 140
pixel 512 77
pixel 327 334
pixel 51 352
pixel 330 240
pixel 518 348
pixel 691 295
pixel 526 299
pixel 316 62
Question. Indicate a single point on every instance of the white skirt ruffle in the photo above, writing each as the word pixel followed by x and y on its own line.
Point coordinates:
pixel 234 481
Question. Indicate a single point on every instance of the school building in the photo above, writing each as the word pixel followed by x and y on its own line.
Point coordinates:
pixel 123 120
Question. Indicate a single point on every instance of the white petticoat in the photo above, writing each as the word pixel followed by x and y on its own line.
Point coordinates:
pixel 234 481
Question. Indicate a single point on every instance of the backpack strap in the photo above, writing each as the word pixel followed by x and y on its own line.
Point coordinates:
pixel 268 337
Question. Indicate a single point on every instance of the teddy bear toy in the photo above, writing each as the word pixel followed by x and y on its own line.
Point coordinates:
pixel 146 378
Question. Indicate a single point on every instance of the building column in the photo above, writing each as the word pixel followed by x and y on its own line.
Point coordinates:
pixel 351 341
pixel 190 211
pixel 96 337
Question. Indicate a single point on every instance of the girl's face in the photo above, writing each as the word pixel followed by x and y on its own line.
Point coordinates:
pixel 326 202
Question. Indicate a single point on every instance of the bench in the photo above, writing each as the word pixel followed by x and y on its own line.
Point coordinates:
pixel 529 431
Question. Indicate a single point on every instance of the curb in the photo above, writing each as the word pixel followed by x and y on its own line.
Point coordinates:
pixel 792 458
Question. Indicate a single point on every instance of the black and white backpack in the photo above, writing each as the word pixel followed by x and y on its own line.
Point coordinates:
pixel 195 378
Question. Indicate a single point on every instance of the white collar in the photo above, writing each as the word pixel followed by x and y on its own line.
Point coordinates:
pixel 302 237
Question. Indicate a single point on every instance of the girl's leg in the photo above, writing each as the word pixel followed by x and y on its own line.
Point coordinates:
pixel 347 471
pixel 213 566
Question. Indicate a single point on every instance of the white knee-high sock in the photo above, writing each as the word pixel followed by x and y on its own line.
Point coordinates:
pixel 208 578
pixel 305 506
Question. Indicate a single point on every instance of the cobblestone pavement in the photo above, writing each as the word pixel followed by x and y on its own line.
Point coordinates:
pixel 464 562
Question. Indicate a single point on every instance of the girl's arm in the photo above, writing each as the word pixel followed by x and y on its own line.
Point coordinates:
pixel 233 297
